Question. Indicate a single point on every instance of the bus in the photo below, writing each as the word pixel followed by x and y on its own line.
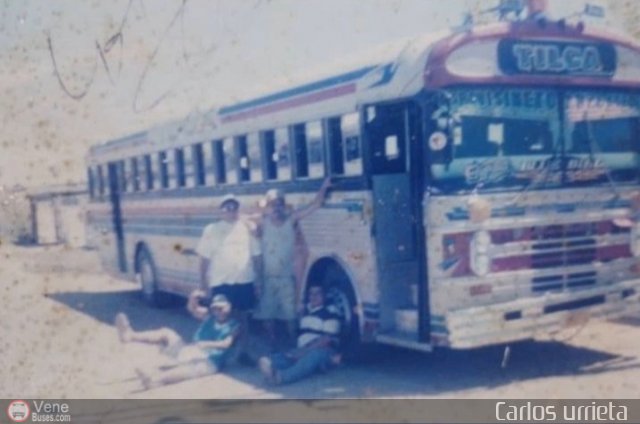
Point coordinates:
pixel 486 184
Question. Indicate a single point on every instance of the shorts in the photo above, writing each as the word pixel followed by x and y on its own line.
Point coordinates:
pixel 278 299
pixel 242 296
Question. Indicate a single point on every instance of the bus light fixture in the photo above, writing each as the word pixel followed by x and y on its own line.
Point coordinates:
pixel 479 253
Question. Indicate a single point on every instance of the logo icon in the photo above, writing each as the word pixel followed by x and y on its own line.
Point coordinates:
pixel 18 411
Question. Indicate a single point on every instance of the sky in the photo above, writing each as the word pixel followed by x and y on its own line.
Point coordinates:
pixel 74 73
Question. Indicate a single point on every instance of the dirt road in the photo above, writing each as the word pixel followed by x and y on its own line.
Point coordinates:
pixel 57 340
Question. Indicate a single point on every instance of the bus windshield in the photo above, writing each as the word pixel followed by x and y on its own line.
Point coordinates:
pixel 536 138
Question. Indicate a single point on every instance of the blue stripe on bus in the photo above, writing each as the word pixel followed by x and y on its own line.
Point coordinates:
pixel 303 89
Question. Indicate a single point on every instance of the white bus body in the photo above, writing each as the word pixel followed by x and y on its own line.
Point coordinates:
pixel 468 209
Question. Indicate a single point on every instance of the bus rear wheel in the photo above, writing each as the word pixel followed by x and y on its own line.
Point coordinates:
pixel 147 277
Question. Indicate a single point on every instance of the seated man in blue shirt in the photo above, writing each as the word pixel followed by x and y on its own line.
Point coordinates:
pixel 317 344
pixel 207 353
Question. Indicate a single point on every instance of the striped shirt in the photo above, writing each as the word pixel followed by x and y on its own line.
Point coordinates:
pixel 316 323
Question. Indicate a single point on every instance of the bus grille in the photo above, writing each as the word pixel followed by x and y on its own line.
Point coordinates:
pixel 561 246
pixel 564 245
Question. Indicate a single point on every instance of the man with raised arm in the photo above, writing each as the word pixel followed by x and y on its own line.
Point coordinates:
pixel 284 257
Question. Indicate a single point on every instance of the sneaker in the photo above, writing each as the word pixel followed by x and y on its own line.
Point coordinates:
pixel 124 327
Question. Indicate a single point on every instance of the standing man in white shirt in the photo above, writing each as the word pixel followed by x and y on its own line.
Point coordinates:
pixel 231 263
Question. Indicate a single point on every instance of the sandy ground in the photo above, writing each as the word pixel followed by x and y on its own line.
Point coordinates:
pixel 57 340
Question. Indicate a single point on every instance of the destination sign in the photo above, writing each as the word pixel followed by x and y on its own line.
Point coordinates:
pixel 533 57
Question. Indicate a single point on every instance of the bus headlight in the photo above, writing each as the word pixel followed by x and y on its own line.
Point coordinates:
pixel 479 253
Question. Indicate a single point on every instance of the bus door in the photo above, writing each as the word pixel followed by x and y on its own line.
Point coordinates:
pixel 396 178
pixel 116 235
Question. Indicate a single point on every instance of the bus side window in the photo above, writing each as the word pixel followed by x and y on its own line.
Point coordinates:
pixel 122 176
pixel 219 161
pixel 135 179
pixel 350 129
pixel 197 154
pixel 230 162
pixel 242 162
pixel 270 156
pixel 208 164
pixel 300 150
pixel 315 144
pixel 282 153
pixel 253 153
pixel 181 179
pixel 189 169
pixel 148 172
pixel 100 181
pixel 344 144
pixel 142 173
pixel 163 161
pixel 91 182
pixel 336 146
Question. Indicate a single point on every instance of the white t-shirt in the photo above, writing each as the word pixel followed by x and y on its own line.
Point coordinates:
pixel 230 248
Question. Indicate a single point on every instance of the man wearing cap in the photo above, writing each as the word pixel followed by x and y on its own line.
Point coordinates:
pixel 229 262
pixel 284 258
pixel 206 355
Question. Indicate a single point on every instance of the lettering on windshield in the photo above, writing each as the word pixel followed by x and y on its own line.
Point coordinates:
pixel 556 58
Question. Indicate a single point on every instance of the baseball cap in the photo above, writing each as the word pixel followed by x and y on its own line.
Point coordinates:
pixel 271 195
pixel 229 198
pixel 220 301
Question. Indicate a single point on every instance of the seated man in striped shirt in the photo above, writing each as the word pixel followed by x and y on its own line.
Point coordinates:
pixel 317 345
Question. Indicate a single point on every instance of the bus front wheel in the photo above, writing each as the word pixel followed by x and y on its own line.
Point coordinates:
pixel 341 297
pixel 147 277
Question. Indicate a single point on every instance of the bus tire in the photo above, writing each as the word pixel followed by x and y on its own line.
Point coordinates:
pixel 147 277
pixel 341 297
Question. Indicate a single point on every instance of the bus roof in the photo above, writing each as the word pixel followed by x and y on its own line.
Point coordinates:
pixel 404 68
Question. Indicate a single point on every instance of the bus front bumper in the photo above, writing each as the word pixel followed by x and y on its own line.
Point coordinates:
pixel 540 316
